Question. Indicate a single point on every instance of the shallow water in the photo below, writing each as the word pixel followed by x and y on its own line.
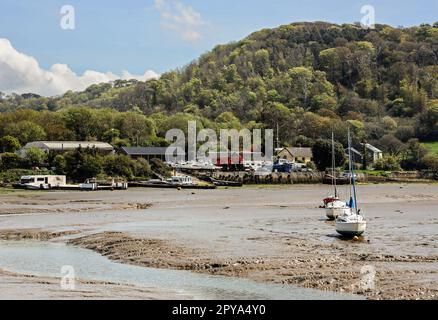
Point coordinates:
pixel 47 259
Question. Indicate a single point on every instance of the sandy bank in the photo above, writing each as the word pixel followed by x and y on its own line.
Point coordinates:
pixel 330 269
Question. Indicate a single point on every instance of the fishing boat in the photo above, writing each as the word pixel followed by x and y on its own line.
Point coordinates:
pixel 334 207
pixel 351 222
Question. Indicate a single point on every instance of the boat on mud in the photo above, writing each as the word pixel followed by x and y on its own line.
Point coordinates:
pixel 351 223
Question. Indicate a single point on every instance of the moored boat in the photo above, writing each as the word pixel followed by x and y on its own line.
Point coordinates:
pixel 351 223
pixel 333 206
pixel 336 208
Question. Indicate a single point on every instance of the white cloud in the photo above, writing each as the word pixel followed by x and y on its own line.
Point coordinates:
pixel 181 19
pixel 21 73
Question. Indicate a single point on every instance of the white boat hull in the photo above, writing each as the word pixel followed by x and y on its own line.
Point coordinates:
pixel 333 212
pixel 351 229
pixel 336 208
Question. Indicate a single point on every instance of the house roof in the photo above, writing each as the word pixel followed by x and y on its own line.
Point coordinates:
pixel 68 145
pixel 299 152
pixel 144 151
pixel 354 151
pixel 373 148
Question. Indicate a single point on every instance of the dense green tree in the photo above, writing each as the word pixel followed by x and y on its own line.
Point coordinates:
pixel 137 128
pixel 119 166
pixel 60 164
pixel 83 164
pixel 25 131
pixel 322 154
pixel 388 163
pixel 9 144
pixel 81 121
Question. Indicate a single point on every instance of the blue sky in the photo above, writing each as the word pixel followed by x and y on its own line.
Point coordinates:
pixel 160 35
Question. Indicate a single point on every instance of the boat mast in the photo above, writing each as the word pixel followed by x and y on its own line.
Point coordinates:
pixel 333 166
pixel 352 176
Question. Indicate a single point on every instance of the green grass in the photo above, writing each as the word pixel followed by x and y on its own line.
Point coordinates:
pixel 378 173
pixel 18 192
pixel 7 191
pixel 432 147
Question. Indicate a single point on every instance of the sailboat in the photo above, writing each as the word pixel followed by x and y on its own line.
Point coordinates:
pixel 351 223
pixel 333 205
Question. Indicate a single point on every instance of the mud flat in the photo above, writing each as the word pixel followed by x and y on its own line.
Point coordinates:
pixel 267 234
pixel 14 286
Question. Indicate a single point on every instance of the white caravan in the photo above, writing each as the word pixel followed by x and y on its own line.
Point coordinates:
pixel 42 182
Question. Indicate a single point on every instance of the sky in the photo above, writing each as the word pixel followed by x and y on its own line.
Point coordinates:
pixel 42 51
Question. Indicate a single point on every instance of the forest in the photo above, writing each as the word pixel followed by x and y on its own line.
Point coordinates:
pixel 306 79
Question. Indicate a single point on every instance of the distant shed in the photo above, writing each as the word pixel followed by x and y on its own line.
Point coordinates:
pixel 65 146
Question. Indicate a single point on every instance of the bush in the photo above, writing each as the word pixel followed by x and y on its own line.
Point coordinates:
pixel 388 163
pixel 431 162
pixel 35 157
pixel 60 164
pixel 118 166
pixel 311 165
pixel 9 161
pixel 413 156
pixel 142 169
pixel 160 167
